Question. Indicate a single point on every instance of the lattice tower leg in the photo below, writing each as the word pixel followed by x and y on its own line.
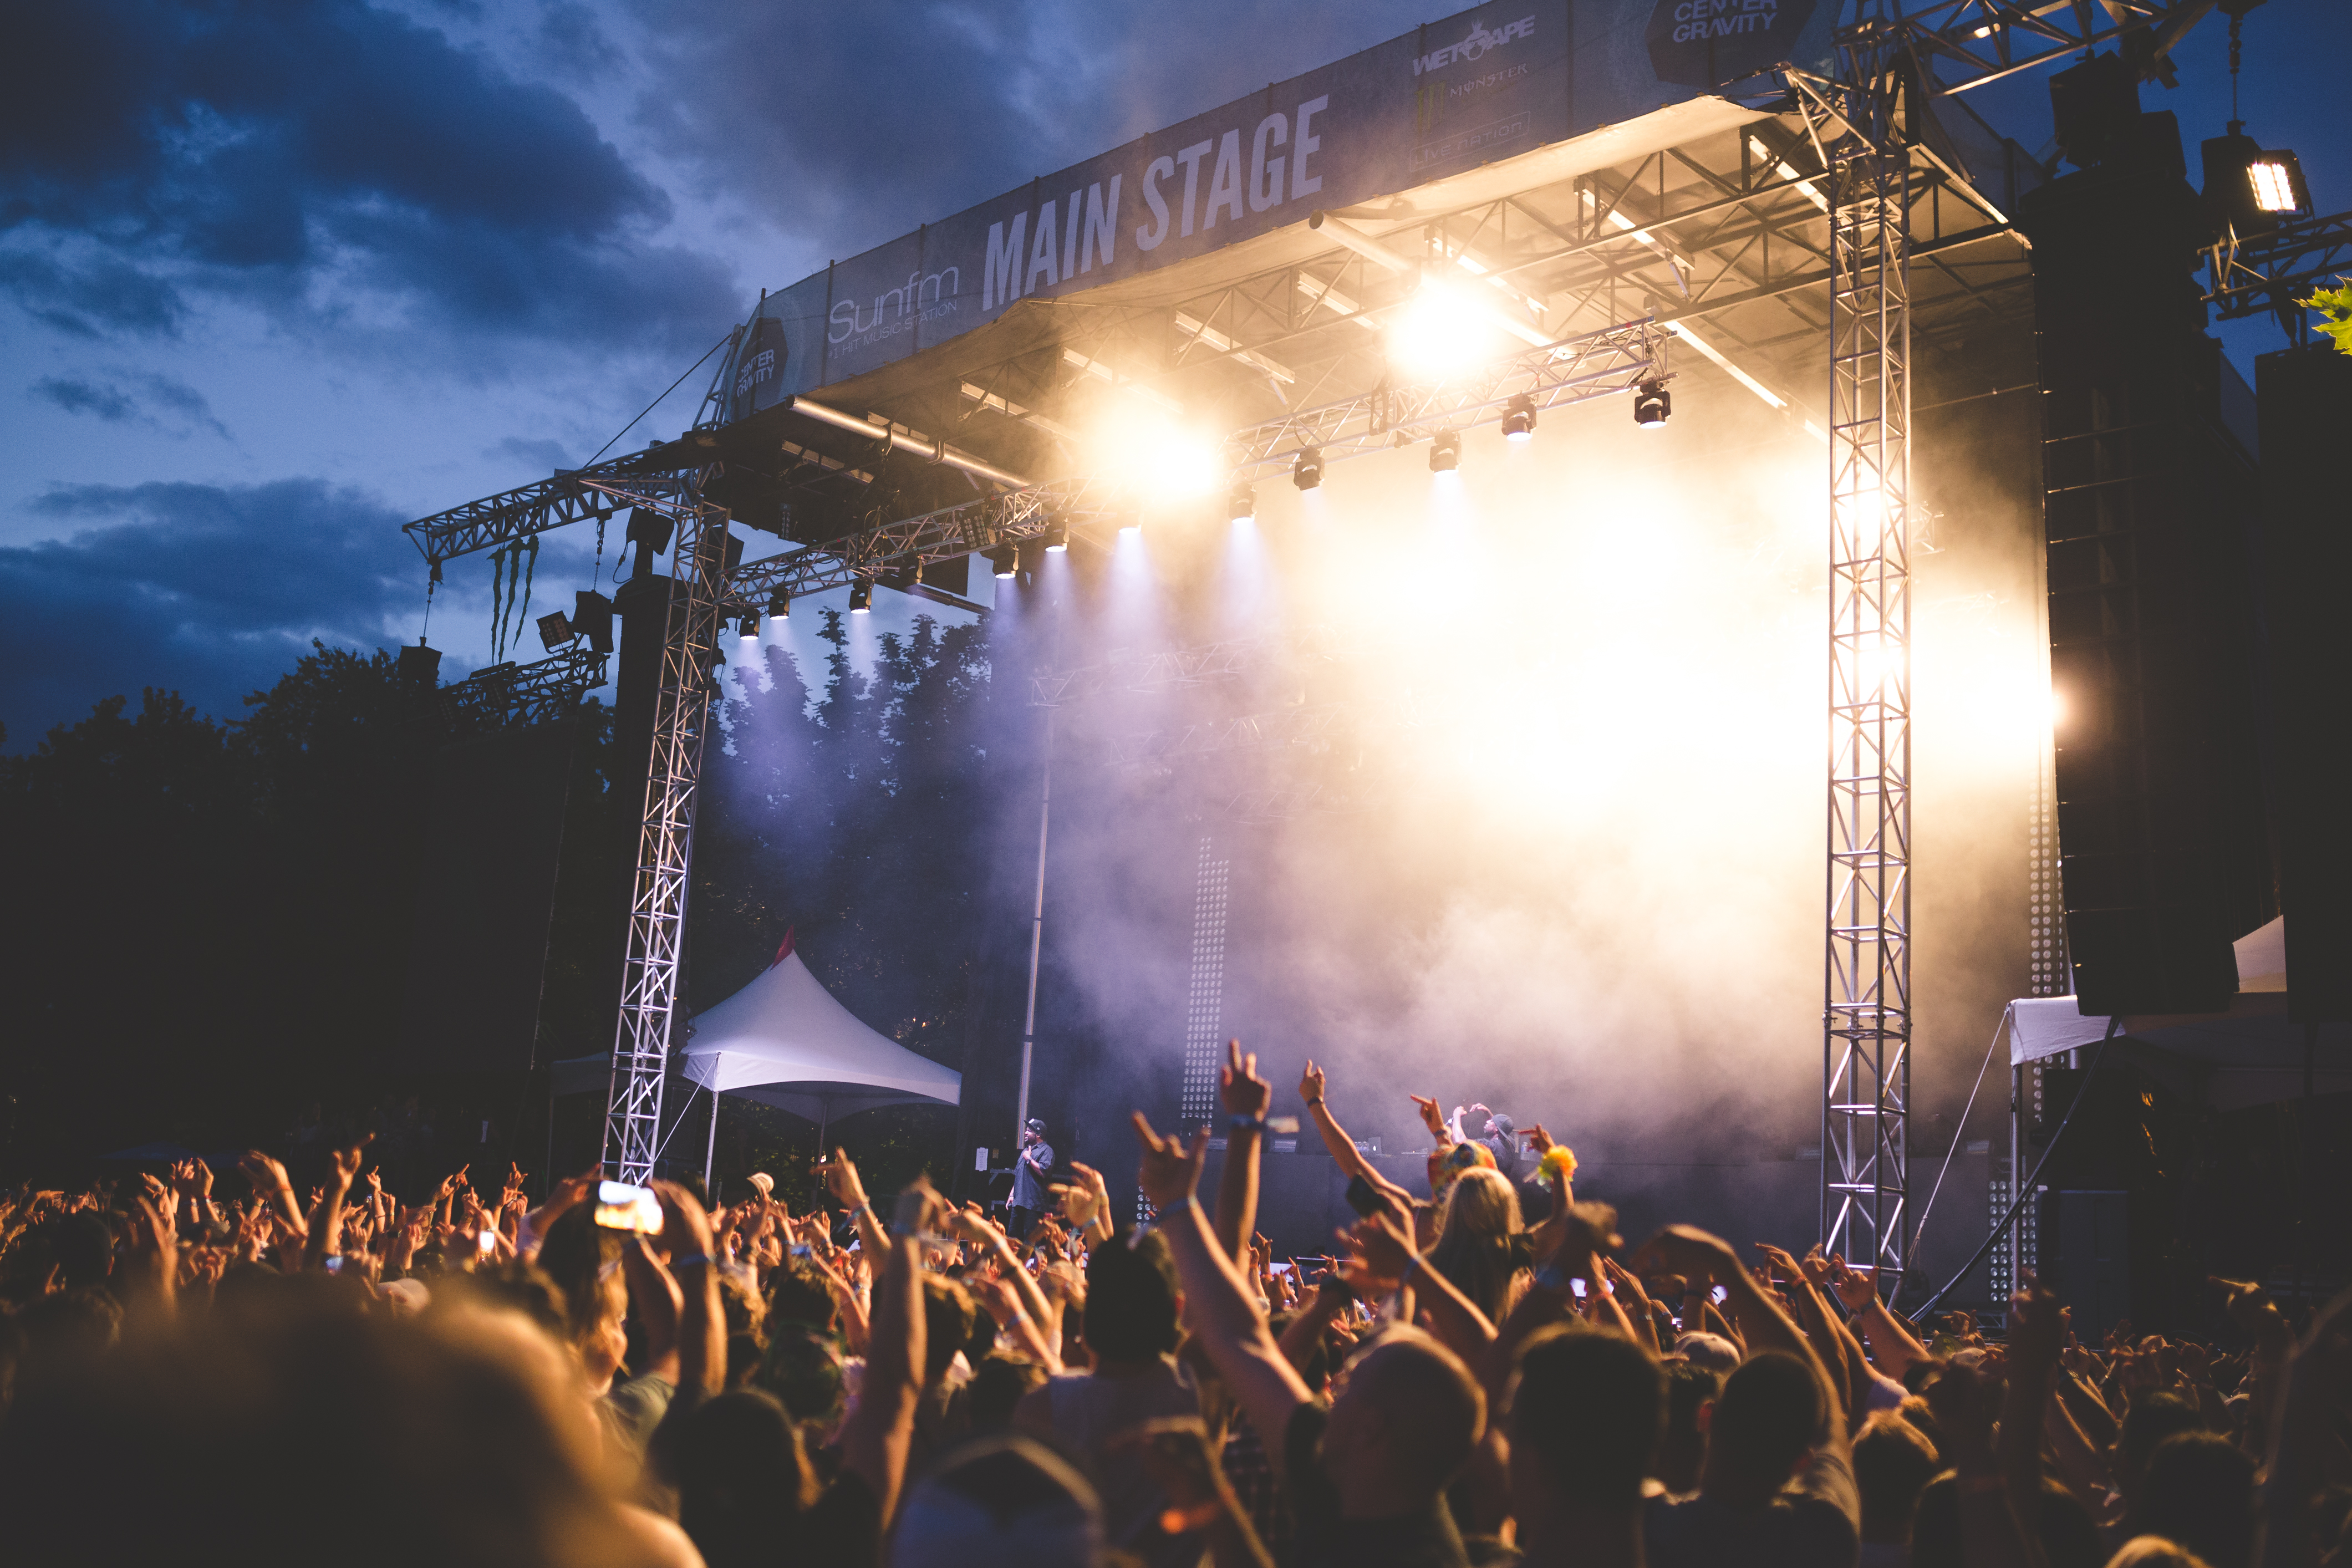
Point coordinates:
pixel 1866 1038
pixel 653 971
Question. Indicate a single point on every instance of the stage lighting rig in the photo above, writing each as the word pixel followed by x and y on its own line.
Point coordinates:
pixel 556 632
pixel 1307 472
pixel 780 606
pixel 1242 505
pixel 1004 560
pixel 1652 404
pixel 1445 451
pixel 591 617
pixel 649 530
pixel 1519 418
pixel 747 625
pixel 861 597
pixel 1056 537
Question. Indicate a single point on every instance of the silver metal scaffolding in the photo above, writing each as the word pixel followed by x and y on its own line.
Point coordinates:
pixel 653 971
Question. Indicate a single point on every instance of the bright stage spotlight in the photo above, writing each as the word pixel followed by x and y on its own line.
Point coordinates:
pixel 748 627
pixel 861 597
pixel 1652 404
pixel 1004 560
pixel 1446 452
pixel 555 631
pixel 1439 334
pixel 1056 537
pixel 1307 473
pixel 780 606
pixel 1242 505
pixel 1519 418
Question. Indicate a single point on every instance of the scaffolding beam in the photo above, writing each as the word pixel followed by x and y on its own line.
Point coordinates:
pixel 1866 1014
pixel 653 970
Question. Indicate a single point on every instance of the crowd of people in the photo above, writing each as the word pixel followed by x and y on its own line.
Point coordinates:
pixel 1489 1374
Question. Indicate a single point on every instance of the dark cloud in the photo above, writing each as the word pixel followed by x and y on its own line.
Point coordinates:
pixel 211 590
pixel 162 402
pixel 231 146
pixel 74 396
pixel 575 40
pixel 887 116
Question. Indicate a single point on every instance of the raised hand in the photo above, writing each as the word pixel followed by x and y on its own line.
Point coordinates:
pixel 1431 1118
pixel 1310 1083
pixel 1539 1141
pixel 1780 1259
pixel 344 1163
pixel 1690 1252
pixel 1816 1268
pixel 1856 1285
pixel 1169 1173
pixel 840 1180
pixel 1244 1093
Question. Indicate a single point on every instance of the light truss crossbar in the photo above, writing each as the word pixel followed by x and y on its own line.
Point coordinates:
pixel 653 973
pixel 577 497
pixel 1593 364
pixel 2247 276
pixel 505 694
pixel 1867 1020
pixel 1981 41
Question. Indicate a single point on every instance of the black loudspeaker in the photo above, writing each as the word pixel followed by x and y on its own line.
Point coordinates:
pixel 2150 506
pixel 2304 397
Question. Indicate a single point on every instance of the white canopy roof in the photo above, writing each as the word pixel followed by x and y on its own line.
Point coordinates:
pixel 783 1041
pixel 2250 1054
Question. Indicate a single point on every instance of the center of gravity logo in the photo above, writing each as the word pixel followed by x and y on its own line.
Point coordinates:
pixel 1705 43
pixel 1481 39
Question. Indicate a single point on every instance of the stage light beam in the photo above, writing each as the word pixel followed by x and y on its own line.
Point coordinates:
pixel 1242 505
pixel 1004 562
pixel 861 597
pixel 780 606
pixel 1307 473
pixel 1446 452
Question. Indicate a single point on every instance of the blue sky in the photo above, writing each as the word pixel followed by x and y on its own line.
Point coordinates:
pixel 276 277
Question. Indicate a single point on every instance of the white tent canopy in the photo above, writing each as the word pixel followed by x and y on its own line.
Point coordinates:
pixel 782 1040
pixel 2250 1054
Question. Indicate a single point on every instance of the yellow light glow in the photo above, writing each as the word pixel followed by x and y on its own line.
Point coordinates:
pixel 1439 334
pixel 1152 454
pixel 2273 192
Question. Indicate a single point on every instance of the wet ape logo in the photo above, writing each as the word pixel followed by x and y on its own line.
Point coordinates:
pixel 1706 43
pixel 1480 41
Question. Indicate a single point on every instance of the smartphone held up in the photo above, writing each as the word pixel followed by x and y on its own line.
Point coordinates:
pixel 620 1206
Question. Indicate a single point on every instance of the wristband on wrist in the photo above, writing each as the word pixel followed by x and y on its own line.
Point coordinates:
pixel 1188 1201
pixel 1245 1123
pixel 1316 1100
pixel 689 1261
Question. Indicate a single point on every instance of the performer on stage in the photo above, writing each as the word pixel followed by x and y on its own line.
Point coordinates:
pixel 1478 1124
pixel 1030 1200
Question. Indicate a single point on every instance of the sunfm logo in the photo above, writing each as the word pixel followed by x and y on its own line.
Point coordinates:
pixel 1481 39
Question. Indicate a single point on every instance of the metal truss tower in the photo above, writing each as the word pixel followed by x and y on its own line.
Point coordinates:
pixel 1866 1011
pixel 653 971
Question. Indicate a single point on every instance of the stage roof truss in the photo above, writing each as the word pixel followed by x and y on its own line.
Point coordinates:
pixel 2248 275
pixel 502 695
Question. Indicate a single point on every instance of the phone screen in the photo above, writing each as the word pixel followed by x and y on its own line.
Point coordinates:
pixel 1717 1294
pixel 486 1242
pixel 1576 1289
pixel 622 1207
pixel 334 1265
pixel 801 1249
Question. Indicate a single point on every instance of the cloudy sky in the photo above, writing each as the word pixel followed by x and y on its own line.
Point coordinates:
pixel 276 276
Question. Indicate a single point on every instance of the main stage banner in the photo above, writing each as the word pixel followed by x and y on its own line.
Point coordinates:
pixel 1486 85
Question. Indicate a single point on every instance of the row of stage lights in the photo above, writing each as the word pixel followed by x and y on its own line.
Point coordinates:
pixel 1652 406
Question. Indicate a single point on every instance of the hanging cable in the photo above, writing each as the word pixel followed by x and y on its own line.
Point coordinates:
pixel 2027 1185
pixel 656 402
pixel 1920 1229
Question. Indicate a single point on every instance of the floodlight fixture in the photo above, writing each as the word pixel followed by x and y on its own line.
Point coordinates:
pixel 1004 560
pixel 591 617
pixel 861 597
pixel 780 606
pixel 747 627
pixel 1446 452
pixel 1056 537
pixel 554 631
pixel 1519 418
pixel 2272 177
pixel 1652 404
pixel 1307 473
pixel 1242 505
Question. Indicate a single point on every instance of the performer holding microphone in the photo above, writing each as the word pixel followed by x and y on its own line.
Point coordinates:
pixel 1030 1199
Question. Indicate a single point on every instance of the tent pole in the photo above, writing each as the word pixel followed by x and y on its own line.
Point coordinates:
pixel 1036 937
pixel 711 1150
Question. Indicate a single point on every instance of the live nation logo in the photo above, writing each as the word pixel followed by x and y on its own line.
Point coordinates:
pixel 1706 43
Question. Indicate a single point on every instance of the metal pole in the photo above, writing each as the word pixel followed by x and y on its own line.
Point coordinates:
pixel 1037 936
pixel 711 1150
